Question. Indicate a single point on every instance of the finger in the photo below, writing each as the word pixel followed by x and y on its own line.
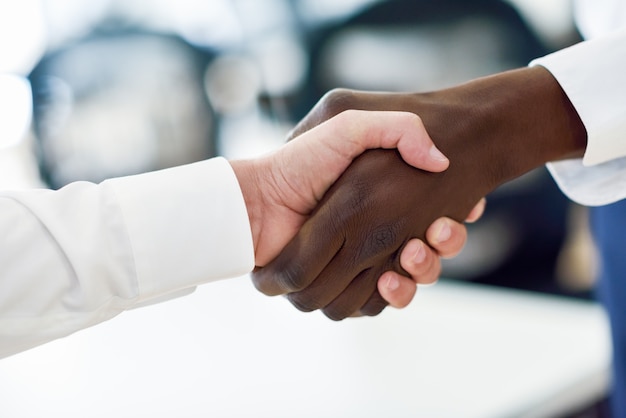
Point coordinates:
pixel 420 153
pixel 402 130
pixel 446 236
pixel 355 296
pixel 420 262
pixel 396 289
pixel 336 278
pixel 303 258
pixel 477 211
pixel 335 143
pixel 375 305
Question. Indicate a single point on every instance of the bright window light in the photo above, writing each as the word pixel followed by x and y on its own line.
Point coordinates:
pixel 16 106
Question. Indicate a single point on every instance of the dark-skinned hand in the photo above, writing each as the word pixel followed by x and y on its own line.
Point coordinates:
pixel 492 130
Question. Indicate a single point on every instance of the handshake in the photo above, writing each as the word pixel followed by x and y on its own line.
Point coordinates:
pixel 356 209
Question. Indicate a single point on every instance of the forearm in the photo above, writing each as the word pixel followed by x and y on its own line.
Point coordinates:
pixel 496 128
pixel 79 256
pixel 592 75
pixel 500 127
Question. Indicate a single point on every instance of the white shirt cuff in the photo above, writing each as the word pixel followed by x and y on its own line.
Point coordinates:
pixel 591 186
pixel 187 225
pixel 592 75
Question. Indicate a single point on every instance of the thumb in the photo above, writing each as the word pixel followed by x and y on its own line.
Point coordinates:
pixel 324 152
pixel 406 132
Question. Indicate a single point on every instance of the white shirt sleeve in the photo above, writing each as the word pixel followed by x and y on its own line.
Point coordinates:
pixel 593 75
pixel 81 255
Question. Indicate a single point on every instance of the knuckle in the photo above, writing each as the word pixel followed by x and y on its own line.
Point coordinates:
pixel 264 280
pixel 304 302
pixel 336 101
pixel 291 277
pixel 380 240
pixel 374 306
pixel 383 238
pixel 261 284
pixel 336 313
pixel 412 118
pixel 357 196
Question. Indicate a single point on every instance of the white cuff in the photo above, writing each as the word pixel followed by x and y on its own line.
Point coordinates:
pixel 592 75
pixel 187 225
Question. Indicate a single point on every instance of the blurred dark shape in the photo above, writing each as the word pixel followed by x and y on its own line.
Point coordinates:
pixel 420 45
pixel 441 43
pixel 121 102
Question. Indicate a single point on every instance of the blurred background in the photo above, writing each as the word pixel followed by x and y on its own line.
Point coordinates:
pixel 92 90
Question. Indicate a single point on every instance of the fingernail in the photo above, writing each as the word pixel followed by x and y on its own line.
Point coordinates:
pixel 392 282
pixel 444 232
pixel 435 154
pixel 420 254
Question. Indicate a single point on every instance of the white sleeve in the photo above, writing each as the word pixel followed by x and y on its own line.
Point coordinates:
pixel 75 257
pixel 593 75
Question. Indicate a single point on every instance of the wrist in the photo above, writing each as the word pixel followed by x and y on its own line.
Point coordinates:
pixel 249 183
pixel 511 123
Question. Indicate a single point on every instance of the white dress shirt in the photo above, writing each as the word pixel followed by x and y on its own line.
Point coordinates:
pixel 593 75
pixel 81 255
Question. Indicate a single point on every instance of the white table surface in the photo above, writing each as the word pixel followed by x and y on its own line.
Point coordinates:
pixel 460 350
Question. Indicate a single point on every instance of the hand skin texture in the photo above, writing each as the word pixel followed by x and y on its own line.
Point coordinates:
pixel 282 189
pixel 492 129
pixel 445 238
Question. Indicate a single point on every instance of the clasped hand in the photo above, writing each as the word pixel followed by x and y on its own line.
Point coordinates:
pixel 363 246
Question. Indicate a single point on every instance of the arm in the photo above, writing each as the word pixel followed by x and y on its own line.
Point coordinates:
pixel 81 255
pixel 275 217
pixel 492 129
pixel 592 75
pixel 282 189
